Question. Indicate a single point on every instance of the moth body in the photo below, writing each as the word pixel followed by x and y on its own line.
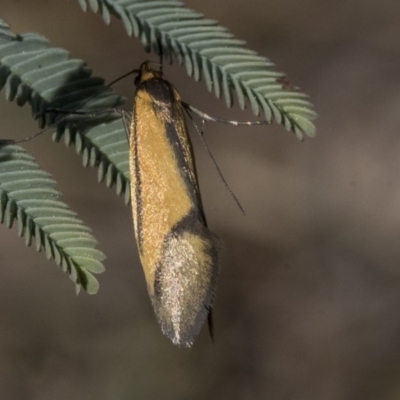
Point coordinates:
pixel 179 254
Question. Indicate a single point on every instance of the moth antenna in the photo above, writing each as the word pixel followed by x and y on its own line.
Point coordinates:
pixel 3 142
pixel 134 71
pixel 126 122
pixel 200 132
pixel 33 136
pixel 89 113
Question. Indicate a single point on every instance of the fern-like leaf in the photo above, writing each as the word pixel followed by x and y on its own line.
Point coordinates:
pixel 33 72
pixel 28 196
pixel 205 48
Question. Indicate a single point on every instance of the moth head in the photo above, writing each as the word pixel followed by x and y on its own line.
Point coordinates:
pixel 145 72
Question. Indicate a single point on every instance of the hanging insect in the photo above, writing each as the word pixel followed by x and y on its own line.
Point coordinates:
pixel 179 254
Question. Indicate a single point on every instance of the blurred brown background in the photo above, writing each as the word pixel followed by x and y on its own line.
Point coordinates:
pixel 308 304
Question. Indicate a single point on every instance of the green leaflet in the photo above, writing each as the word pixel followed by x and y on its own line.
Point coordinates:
pixel 209 50
pixel 28 196
pixel 32 72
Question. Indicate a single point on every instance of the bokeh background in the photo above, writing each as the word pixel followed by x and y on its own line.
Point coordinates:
pixel 308 304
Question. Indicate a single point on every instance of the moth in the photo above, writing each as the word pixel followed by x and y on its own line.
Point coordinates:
pixel 180 256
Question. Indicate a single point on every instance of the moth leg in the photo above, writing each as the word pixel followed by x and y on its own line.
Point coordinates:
pixel 201 134
pixel 126 118
pixel 76 112
pixel 207 117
